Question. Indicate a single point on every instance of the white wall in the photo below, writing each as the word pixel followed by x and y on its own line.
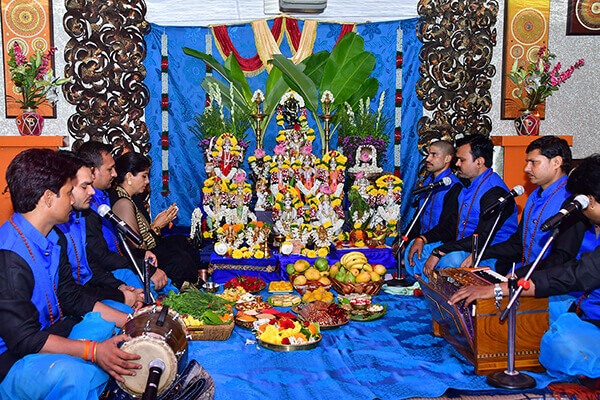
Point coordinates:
pixel 574 109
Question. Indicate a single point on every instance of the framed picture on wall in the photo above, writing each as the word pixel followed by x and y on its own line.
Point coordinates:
pixel 583 17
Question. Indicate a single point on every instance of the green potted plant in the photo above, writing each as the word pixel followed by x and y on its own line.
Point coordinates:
pixel 35 81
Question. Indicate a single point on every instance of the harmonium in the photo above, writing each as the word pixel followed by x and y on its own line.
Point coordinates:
pixel 476 331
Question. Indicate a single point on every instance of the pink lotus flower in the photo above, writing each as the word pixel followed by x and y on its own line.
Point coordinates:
pixel 325 189
pixel 365 157
pixel 279 149
pixel 259 153
pixel 360 175
pixel 240 177
pixel 306 150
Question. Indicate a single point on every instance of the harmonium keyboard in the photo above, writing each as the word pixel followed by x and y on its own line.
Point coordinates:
pixel 476 331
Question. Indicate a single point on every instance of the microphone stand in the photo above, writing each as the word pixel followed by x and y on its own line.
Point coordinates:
pixel 147 293
pixel 489 238
pixel 510 378
pixel 404 282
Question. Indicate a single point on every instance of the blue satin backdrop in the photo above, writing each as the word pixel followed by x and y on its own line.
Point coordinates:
pixel 186 98
pixel 412 111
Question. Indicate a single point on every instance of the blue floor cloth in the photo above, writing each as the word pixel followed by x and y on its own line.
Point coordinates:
pixel 395 357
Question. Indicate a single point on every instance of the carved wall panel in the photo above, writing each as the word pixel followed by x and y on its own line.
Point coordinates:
pixel 104 58
pixel 458 37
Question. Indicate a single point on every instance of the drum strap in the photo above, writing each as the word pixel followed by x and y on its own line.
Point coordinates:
pixel 163 314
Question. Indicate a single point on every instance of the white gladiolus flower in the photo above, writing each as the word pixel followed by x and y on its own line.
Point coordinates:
pixel 258 96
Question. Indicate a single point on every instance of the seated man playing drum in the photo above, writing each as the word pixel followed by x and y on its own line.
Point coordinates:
pixel 55 341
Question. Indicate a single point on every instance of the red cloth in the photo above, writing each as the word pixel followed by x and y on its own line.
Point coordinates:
pixel 247 64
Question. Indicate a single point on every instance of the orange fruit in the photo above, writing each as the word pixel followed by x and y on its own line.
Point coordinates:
pixel 313 329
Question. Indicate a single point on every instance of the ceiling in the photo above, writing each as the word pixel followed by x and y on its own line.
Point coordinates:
pixel 218 12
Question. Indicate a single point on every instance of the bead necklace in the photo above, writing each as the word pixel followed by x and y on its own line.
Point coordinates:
pixel 469 212
pixel 78 262
pixel 523 260
pixel 53 283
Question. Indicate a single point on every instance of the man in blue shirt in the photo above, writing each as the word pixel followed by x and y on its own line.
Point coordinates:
pixel 548 161
pixel 96 281
pixel 45 352
pixel 103 248
pixel 482 187
pixel 437 222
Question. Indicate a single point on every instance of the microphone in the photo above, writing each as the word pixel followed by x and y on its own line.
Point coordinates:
pixel 105 211
pixel 516 192
pixel 442 182
pixel 580 202
pixel 156 368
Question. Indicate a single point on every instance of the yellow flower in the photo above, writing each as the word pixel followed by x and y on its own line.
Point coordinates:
pixel 336 202
pixel 311 254
pixel 251 159
pixel 327 224
pixel 237 253
pixel 259 254
pixel 207 235
pixel 280 122
pixel 323 252
pixel 280 138
pixel 279 117
pixel 356 225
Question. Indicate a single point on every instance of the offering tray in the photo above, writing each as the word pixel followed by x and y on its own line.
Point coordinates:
pixel 365 315
pixel 290 347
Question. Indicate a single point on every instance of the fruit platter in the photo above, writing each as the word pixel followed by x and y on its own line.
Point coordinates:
pixel 327 316
pixel 306 277
pixel 354 274
pixel 282 334
pixel 250 284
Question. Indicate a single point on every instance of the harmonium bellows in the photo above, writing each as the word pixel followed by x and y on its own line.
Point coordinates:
pixel 476 331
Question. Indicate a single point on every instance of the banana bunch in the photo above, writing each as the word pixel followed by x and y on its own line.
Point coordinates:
pixel 355 268
pixel 354 259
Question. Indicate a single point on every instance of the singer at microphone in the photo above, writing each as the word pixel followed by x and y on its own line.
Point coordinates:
pixel 105 211
pixel 502 201
pixel 446 181
pixel 580 202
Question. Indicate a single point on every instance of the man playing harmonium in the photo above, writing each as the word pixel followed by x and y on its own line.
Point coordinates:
pixel 548 161
pixel 482 188
pixel 43 353
pixel 438 220
pixel 571 344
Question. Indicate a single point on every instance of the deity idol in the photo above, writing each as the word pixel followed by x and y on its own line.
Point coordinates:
pixel 226 156
pixel 280 171
pixel 263 201
pixel 215 201
pixel 363 202
pixel 366 160
pixel 259 165
pixel 336 163
pixel 388 209
pixel 329 210
pixel 239 210
pixel 287 210
pixel 306 175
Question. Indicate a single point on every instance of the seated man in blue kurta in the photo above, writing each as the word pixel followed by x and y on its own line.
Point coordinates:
pixel 571 344
pixel 548 161
pixel 45 352
pixel 103 248
pixel 483 187
pixel 96 281
pixel 437 222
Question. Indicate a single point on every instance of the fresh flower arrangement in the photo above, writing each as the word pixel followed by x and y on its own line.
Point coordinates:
pixel 213 121
pixel 34 79
pixel 249 283
pixel 363 128
pixel 538 80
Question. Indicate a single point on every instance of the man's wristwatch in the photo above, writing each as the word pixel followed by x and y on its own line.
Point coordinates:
pixel 498 295
pixel 436 253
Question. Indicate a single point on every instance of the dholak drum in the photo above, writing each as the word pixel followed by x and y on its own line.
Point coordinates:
pixel 155 334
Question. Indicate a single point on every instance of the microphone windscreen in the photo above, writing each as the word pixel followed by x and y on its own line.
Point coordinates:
pixel 157 363
pixel 519 190
pixel 103 210
pixel 583 201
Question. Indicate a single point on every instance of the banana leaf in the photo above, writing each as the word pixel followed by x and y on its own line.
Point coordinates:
pixel 238 75
pixel 297 80
pixel 350 46
pixel 221 69
pixel 315 66
pixel 275 88
pixel 351 77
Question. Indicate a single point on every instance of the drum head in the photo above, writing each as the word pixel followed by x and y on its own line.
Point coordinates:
pixel 148 348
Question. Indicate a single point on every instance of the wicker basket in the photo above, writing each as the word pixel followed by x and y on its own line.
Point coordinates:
pixel 372 288
pixel 213 332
